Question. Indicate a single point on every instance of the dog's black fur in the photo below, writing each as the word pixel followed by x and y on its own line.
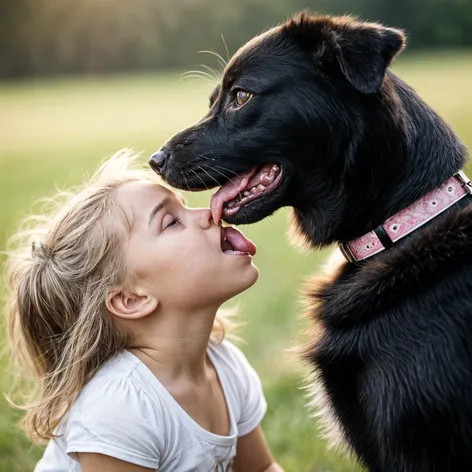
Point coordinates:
pixel 356 145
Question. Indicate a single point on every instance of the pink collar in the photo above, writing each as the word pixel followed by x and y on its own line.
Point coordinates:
pixel 408 219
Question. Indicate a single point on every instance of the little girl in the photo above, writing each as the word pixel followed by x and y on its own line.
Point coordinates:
pixel 113 311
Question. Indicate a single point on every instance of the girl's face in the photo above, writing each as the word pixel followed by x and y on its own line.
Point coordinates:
pixel 178 255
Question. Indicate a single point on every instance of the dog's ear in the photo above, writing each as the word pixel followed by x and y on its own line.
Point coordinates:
pixel 363 50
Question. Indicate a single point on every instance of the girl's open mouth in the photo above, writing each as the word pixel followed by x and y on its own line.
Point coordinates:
pixel 234 243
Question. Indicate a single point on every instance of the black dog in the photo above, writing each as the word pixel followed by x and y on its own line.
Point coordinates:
pixel 307 115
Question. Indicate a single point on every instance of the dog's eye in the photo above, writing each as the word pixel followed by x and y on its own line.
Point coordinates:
pixel 242 97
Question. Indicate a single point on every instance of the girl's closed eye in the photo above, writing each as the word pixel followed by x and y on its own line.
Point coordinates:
pixel 170 221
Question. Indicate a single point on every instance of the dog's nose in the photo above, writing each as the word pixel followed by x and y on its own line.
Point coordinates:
pixel 158 160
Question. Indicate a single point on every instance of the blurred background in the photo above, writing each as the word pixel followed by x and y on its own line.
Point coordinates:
pixel 80 79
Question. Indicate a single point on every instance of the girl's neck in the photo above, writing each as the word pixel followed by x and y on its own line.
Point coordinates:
pixel 174 345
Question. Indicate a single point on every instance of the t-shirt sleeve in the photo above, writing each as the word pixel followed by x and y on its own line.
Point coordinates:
pixel 116 418
pixel 253 402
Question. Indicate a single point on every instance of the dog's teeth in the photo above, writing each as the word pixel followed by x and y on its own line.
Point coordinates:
pixel 275 168
pixel 260 188
pixel 253 190
pixel 247 193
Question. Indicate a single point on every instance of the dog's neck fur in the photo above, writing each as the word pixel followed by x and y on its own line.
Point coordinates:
pixel 407 151
pixel 445 246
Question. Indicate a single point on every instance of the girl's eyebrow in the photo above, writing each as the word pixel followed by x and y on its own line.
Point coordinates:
pixel 157 209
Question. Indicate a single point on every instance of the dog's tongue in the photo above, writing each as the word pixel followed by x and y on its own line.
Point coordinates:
pixel 238 241
pixel 229 191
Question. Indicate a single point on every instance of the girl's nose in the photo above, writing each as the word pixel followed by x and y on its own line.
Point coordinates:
pixel 203 217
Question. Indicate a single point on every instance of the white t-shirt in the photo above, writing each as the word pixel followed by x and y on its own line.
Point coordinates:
pixel 126 413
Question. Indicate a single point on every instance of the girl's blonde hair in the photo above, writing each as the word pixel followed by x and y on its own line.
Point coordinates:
pixel 60 267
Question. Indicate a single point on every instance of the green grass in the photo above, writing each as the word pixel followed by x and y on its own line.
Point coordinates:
pixel 54 132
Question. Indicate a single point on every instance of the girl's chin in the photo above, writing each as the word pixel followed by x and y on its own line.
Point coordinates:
pixel 248 279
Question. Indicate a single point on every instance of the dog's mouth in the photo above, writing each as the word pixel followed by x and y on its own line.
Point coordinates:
pixel 239 191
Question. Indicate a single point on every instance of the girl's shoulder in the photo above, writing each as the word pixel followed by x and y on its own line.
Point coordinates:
pixel 228 354
pixel 241 383
pixel 114 385
pixel 230 359
pixel 114 415
pixel 121 365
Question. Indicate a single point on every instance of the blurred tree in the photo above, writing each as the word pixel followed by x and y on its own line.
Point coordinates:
pixel 14 38
pixel 50 37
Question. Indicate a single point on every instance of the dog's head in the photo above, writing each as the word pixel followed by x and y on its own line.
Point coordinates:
pixel 287 118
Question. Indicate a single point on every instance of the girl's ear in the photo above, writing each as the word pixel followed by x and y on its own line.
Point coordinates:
pixel 130 306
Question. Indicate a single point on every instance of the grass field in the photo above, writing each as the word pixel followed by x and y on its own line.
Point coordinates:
pixel 53 132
